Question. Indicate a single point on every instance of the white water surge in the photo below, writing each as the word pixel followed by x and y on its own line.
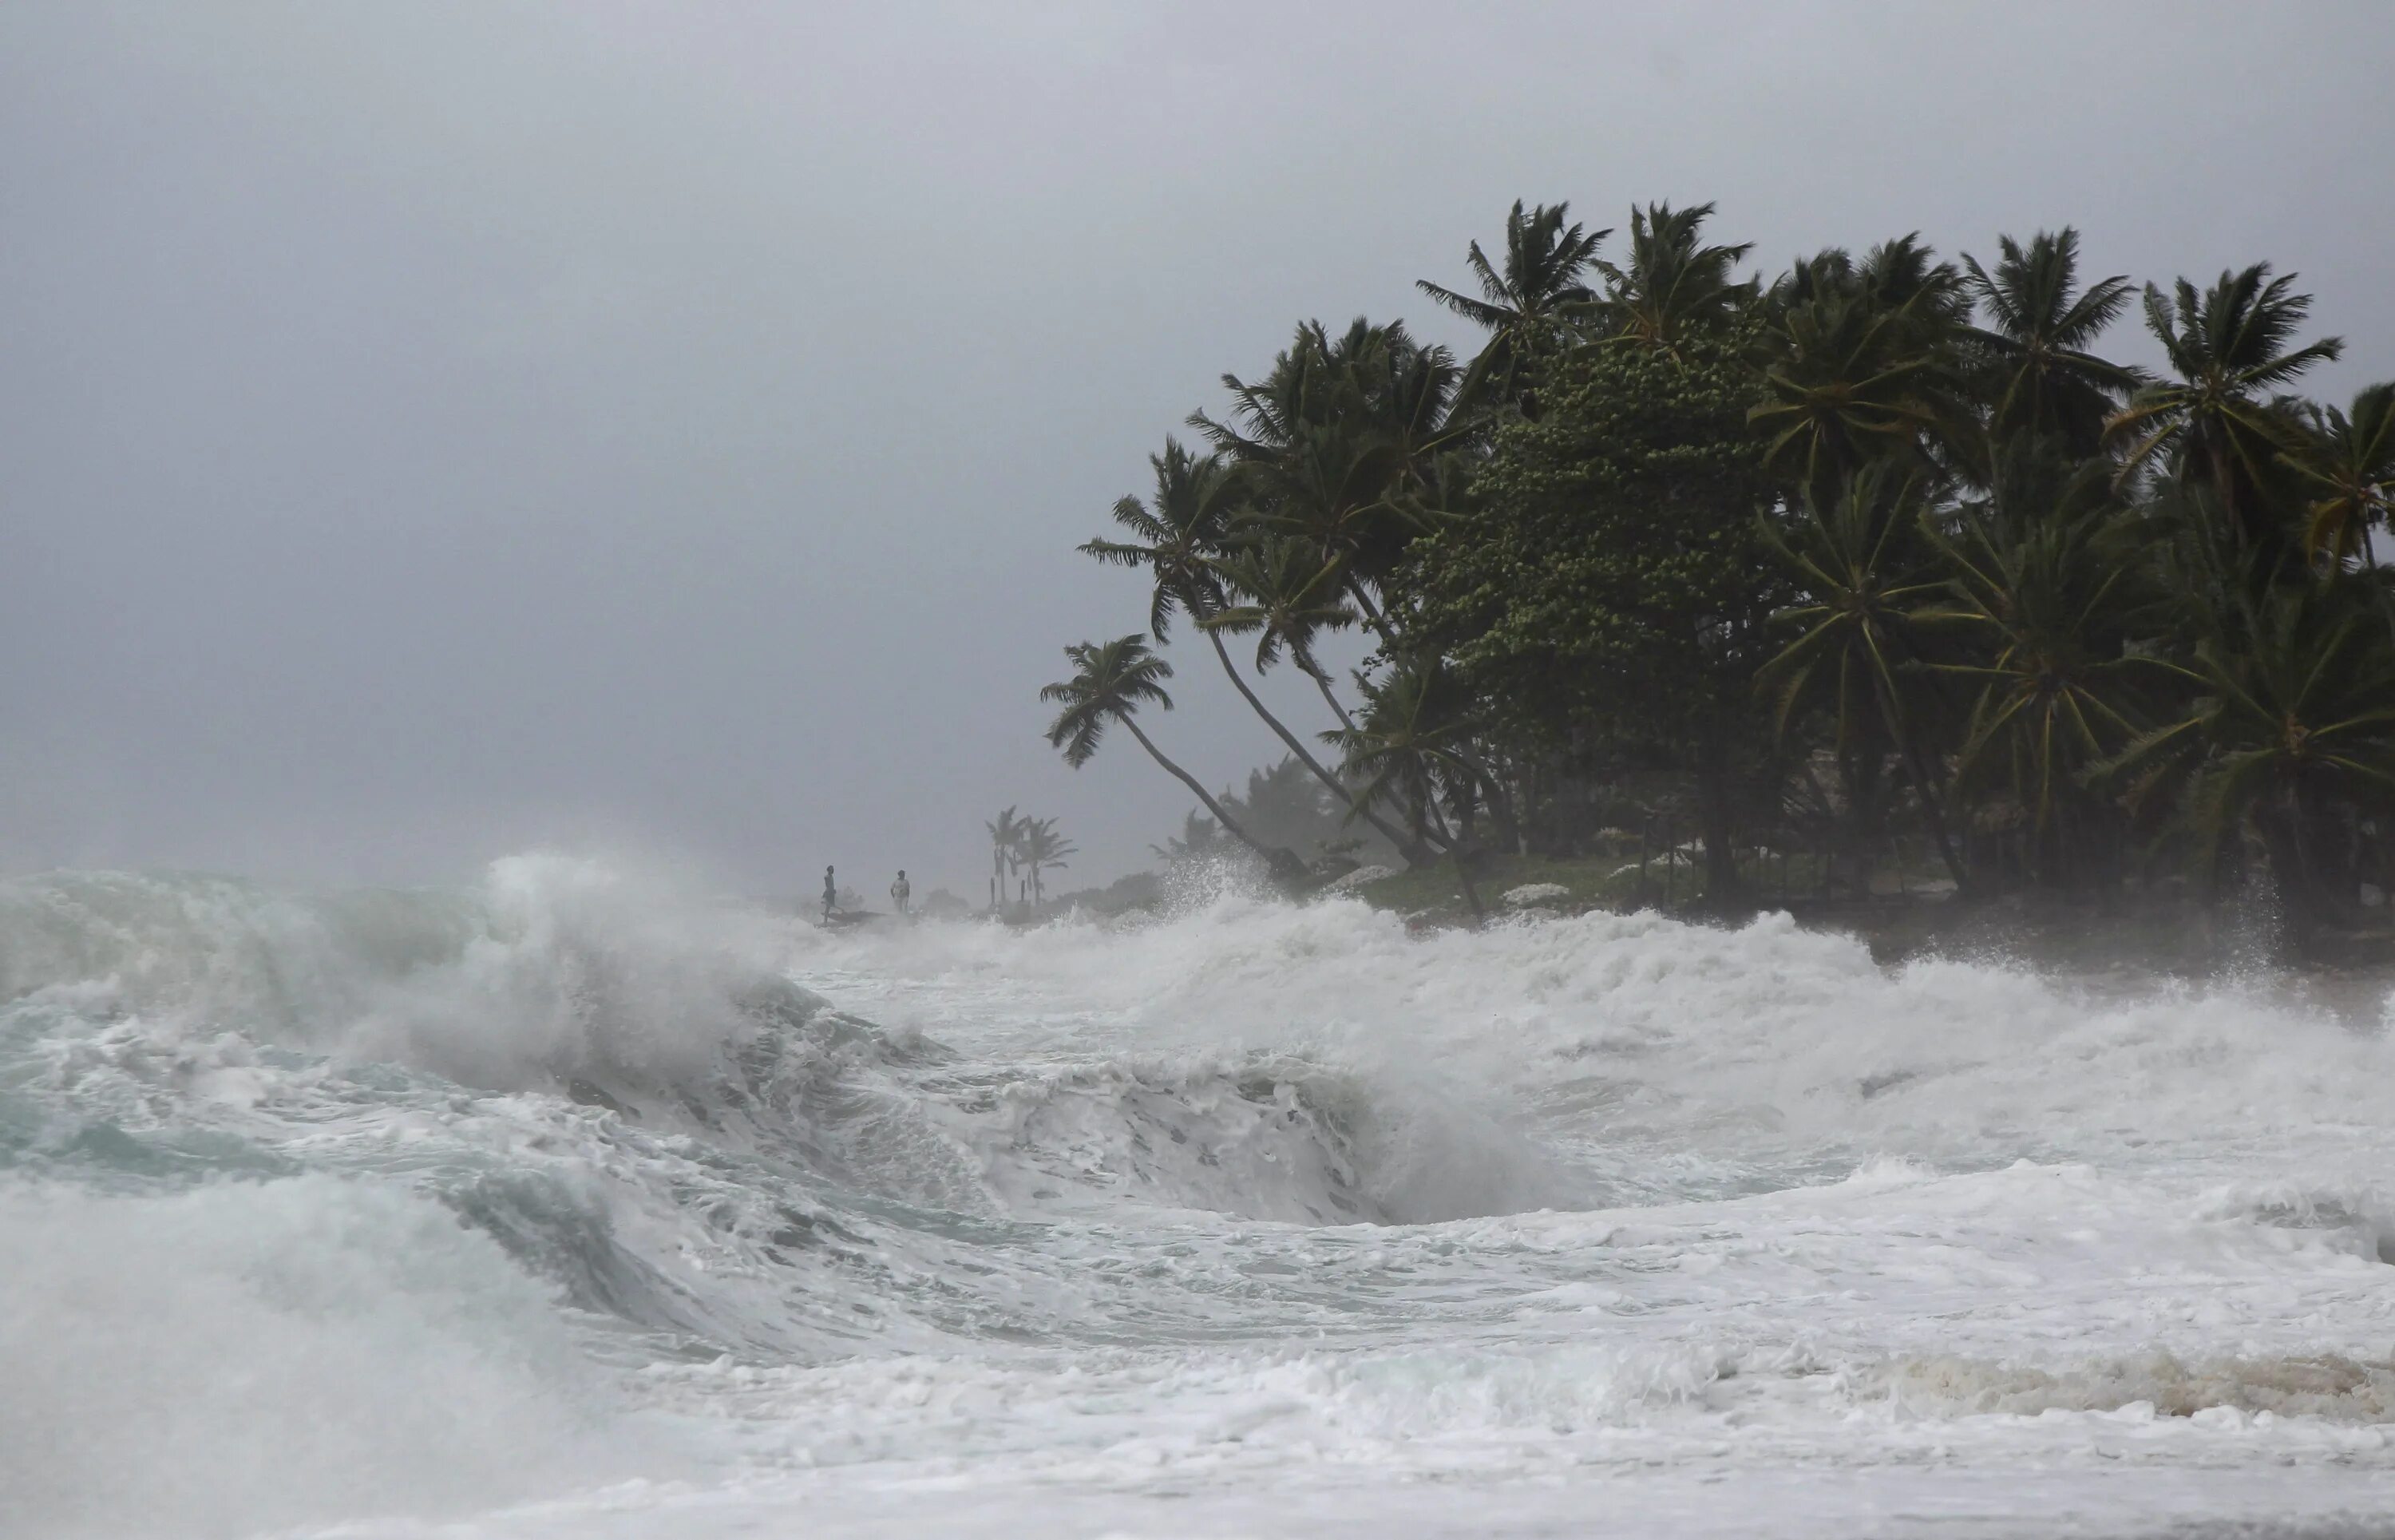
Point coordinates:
pixel 566 1208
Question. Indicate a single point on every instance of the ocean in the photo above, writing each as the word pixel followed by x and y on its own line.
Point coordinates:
pixel 569 1205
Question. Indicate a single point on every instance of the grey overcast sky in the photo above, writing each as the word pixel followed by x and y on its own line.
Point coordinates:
pixel 429 430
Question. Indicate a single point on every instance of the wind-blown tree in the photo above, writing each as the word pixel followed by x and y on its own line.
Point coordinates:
pixel 1282 594
pixel 1859 365
pixel 1674 285
pixel 2348 467
pixel 1411 748
pixel 2042 326
pixel 1044 850
pixel 1111 681
pixel 1865 621
pixel 2049 603
pixel 1005 849
pixel 1184 537
pixel 1611 587
pixel 2291 734
pixel 1528 306
pixel 2230 350
pixel 1175 534
pixel 1337 445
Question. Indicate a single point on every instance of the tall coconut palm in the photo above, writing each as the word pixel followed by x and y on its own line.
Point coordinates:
pixel 2040 328
pixel 2347 465
pixel 1673 282
pixel 1337 440
pixel 1282 592
pixel 1528 304
pixel 2295 715
pixel 1111 681
pixel 1279 591
pixel 1862 564
pixel 2230 350
pixel 1175 534
pixel 1858 364
pixel 1412 747
pixel 1044 850
pixel 1182 535
pixel 1005 850
pixel 2058 691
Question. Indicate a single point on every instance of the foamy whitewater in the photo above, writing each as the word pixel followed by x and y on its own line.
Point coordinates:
pixel 566 1207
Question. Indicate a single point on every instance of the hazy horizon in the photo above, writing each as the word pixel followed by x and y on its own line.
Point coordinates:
pixel 433 432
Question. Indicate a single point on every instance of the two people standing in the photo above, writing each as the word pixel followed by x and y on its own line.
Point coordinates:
pixel 902 894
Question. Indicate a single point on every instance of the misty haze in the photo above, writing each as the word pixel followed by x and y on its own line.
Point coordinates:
pixel 1166 770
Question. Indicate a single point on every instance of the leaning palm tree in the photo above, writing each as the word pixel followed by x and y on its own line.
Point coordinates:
pixel 1279 591
pixel 1673 282
pixel 1183 533
pixel 1412 748
pixel 2349 466
pixel 1111 681
pixel 2042 326
pixel 1175 534
pixel 1044 850
pixel 2230 350
pixel 1528 305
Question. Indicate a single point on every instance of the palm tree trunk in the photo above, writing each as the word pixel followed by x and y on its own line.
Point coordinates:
pixel 1282 860
pixel 1462 873
pixel 1932 809
pixel 1413 854
pixel 1322 683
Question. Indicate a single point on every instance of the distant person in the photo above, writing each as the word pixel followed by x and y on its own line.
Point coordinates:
pixel 831 894
pixel 900 892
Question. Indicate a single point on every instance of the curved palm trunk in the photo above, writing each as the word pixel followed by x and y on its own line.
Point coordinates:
pixel 1413 853
pixel 1322 683
pixel 1283 861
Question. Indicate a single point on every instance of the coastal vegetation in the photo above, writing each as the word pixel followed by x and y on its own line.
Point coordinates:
pixel 1877 564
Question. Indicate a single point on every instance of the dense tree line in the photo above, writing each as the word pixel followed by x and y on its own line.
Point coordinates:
pixel 1879 554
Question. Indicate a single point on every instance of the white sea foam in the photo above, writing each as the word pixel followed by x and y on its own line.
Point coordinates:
pixel 953 1228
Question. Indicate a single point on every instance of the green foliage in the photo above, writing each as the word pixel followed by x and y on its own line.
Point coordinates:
pixel 1676 543
pixel 2043 377
pixel 2214 421
pixel 1608 575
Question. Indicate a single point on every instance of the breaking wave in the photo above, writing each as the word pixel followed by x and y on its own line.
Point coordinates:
pixel 546 1160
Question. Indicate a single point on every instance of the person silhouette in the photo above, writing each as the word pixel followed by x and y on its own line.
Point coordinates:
pixel 900 891
pixel 831 894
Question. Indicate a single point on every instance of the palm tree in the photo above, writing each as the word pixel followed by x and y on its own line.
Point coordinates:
pixel 2057 687
pixel 1176 534
pixel 2041 327
pixel 1288 598
pixel 1111 681
pixel 1413 747
pixel 1278 592
pixel 2295 717
pixel 1044 849
pixel 1338 442
pixel 1673 282
pixel 1527 308
pixel 1181 534
pixel 2229 348
pixel 1859 364
pixel 1005 850
pixel 1865 618
pixel 2350 466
